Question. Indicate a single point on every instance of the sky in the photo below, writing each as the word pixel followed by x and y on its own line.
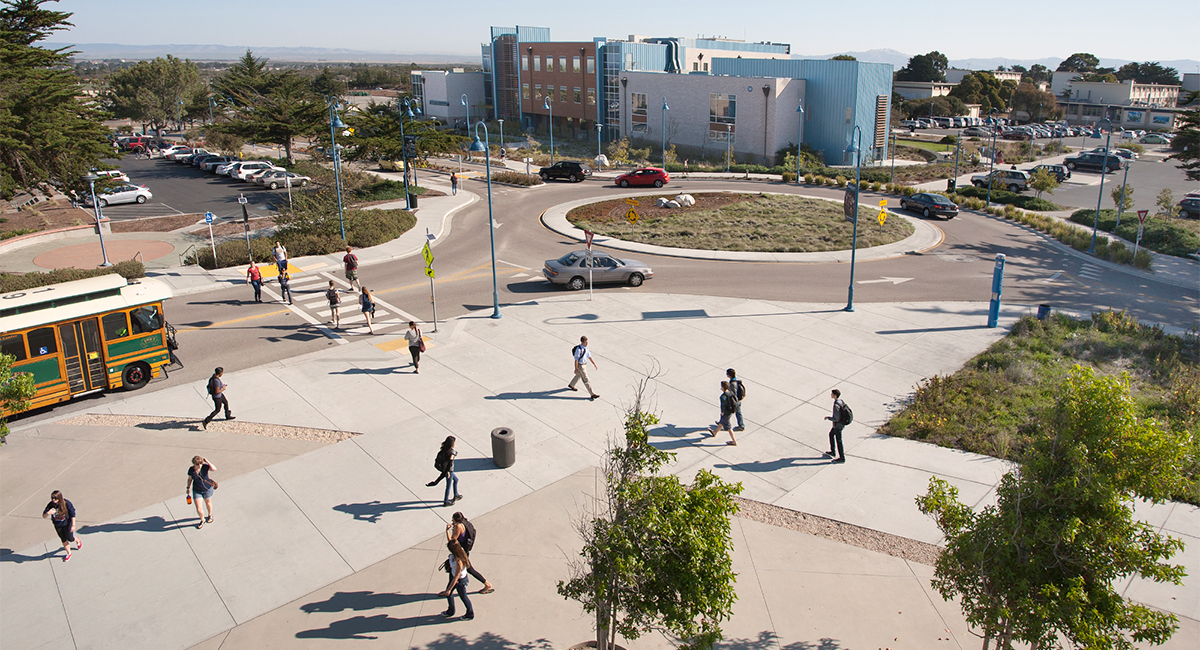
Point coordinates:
pixel 1016 29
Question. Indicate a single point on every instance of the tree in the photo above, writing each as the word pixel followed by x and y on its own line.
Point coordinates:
pixel 1151 72
pixel 1166 203
pixel 377 135
pixel 1079 62
pixel 1043 180
pixel 1186 144
pixel 278 110
pixel 328 84
pixel 151 91
pixel 1036 74
pixel 15 390
pixel 843 57
pixel 1047 559
pixel 247 77
pixel 924 67
pixel 49 132
pixel 942 107
pixel 1122 197
pixel 656 552
pixel 985 89
pixel 1039 104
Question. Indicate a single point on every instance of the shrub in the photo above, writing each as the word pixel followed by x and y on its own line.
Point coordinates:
pixel 874 187
pixel 516 178
pixel 841 181
pixel 129 269
pixel 949 140
pixel 809 178
pixel 1143 259
pixel 909 190
pixel 1158 235
pixel 831 181
pixel 789 177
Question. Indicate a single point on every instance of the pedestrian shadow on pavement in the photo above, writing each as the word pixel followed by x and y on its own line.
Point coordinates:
pixel 372 371
pixel 7 555
pixel 678 436
pixel 360 601
pixel 923 330
pixel 776 465
pixel 171 425
pixel 153 524
pixel 372 511
pixel 362 627
pixel 539 394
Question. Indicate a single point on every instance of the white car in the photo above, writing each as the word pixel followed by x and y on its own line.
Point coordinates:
pixel 112 175
pixel 122 194
pixel 166 152
pixel 243 171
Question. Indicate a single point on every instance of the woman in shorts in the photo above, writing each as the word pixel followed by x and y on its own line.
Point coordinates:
pixel 62 514
pixel 331 294
pixel 201 487
pixel 413 336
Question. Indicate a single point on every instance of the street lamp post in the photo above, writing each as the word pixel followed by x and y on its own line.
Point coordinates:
pixel 335 123
pixel 501 134
pixel 483 146
pixel 465 102
pixel 663 126
pixel 179 115
pixel 893 181
pixel 1121 206
pixel 957 154
pixel 405 108
pixel 992 168
pixel 599 143
pixel 550 107
pixel 1103 173
pixel 729 145
pixel 91 178
pixel 799 138
pixel 854 148
pixel 211 102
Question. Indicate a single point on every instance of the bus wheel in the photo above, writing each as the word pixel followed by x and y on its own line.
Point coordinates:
pixel 136 375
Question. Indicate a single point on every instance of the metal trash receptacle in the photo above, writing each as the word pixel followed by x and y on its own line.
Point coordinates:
pixel 412 200
pixel 1043 312
pixel 951 185
pixel 504 447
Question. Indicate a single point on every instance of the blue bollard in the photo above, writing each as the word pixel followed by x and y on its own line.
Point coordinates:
pixel 997 286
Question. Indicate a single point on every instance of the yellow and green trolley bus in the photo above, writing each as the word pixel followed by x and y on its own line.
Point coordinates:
pixel 87 335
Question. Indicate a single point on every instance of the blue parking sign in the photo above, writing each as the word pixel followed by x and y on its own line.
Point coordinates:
pixel 208 217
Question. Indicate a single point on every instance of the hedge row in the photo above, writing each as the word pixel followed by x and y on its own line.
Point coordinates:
pixel 1004 197
pixel 130 269
pixel 1159 234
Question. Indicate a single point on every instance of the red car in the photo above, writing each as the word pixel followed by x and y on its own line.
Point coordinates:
pixel 645 176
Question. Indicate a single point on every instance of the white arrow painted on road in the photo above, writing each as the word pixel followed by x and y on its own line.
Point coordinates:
pixel 886 279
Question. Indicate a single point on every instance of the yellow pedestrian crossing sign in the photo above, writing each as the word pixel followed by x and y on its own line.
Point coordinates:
pixel 427 254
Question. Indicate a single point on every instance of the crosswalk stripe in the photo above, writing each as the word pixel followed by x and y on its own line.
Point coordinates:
pixel 311 321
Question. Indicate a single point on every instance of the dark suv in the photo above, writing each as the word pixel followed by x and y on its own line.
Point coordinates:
pixel 570 170
pixel 1095 161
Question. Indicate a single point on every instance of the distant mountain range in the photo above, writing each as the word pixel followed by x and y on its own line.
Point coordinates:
pixel 320 54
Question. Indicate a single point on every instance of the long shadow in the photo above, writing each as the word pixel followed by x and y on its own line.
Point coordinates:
pixel 372 511
pixel 362 627
pixel 153 524
pixel 369 371
pixel 922 330
pixel 775 465
pixel 173 425
pixel 536 394
pixel 473 465
pixel 7 555
pixel 677 437
pixel 485 641
pixel 361 601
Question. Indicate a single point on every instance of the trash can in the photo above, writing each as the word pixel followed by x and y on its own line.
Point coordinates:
pixel 412 201
pixel 1043 312
pixel 950 185
pixel 504 447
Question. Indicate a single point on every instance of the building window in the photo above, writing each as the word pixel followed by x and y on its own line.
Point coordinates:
pixel 706 67
pixel 537 63
pixel 562 64
pixel 537 92
pixel 639 106
pixel 591 65
pixel 575 64
pixel 1093 111
pixel 525 63
pixel 562 94
pixel 722 109
pixel 524 91
pixel 578 95
pixel 591 96
pixel 695 66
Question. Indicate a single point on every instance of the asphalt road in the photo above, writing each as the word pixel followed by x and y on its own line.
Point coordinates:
pixel 181 189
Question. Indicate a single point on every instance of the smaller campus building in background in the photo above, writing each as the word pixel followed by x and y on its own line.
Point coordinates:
pixel 1127 104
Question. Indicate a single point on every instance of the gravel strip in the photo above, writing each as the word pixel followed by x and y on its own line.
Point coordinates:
pixel 872 540
pixel 224 426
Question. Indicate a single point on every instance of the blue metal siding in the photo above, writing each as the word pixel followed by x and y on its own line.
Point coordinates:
pixel 524 34
pixel 647 57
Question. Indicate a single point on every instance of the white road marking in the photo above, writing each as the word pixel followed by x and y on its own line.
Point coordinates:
pixel 1090 271
pixel 516 265
pixel 894 281
pixel 311 321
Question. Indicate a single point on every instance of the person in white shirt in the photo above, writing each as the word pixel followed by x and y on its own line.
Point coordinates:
pixel 582 356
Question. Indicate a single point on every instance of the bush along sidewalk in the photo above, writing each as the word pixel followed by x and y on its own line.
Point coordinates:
pixel 129 269
pixel 1110 250
pixel 1159 234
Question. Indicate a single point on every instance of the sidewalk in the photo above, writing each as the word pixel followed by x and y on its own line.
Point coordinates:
pixel 351 526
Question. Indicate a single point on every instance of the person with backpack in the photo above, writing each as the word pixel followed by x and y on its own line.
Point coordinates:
pixel 216 390
pixel 351 262
pixel 729 406
pixel 61 513
pixel 334 299
pixel 444 463
pixel 739 391
pixel 842 415
pixel 582 355
pixel 285 287
pixel 368 307
pixel 463 531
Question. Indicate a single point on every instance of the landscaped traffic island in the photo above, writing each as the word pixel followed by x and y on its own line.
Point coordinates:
pixel 728 221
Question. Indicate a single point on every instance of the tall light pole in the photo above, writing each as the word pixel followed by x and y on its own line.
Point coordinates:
pixel 729 145
pixel 405 108
pixel 465 102
pixel 550 107
pixel 91 178
pixel 211 102
pixel 854 148
pixel 179 115
pixel 1124 186
pixel 957 153
pixel 501 135
pixel 995 131
pixel 663 126
pixel 483 146
pixel 893 134
pixel 799 138
pixel 335 123
pixel 599 143
pixel 1103 173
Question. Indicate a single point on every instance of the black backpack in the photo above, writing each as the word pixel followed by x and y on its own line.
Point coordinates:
pixel 730 406
pixel 847 414
pixel 442 462
pixel 469 541
pixel 575 352
pixel 740 389
pixel 212 385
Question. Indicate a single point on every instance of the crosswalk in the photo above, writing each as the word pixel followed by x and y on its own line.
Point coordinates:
pixel 309 303
pixel 1090 271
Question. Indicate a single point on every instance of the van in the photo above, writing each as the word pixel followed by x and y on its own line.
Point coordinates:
pixel 944 122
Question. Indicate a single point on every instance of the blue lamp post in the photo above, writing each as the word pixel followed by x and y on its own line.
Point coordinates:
pixel 483 146
pixel 799 139
pixel 91 178
pixel 854 148
pixel 550 107
pixel 663 126
pixel 599 144
pixel 995 131
pixel 405 106
pixel 466 103
pixel 1103 173
pixel 335 123
pixel 179 115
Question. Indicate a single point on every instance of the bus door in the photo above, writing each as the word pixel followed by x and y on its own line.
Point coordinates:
pixel 81 352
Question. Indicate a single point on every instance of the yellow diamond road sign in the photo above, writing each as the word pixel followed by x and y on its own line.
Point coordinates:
pixel 882 217
pixel 632 215
pixel 427 254
pixel 429 271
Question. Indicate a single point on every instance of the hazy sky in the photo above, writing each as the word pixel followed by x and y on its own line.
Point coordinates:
pixel 1016 29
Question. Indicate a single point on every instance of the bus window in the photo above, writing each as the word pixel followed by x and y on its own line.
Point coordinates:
pixel 116 326
pixel 13 344
pixel 41 342
pixel 146 319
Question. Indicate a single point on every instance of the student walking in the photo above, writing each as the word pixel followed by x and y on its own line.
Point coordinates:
pixel 368 307
pixel 334 298
pixel 840 420
pixel 350 260
pixel 62 514
pixel 280 254
pixel 216 390
pixel 444 463
pixel 456 566
pixel 416 345
pixel 728 402
pixel 201 487
pixel 453 183
pixel 285 287
pixel 254 279
pixel 463 531
pixel 739 391
pixel 581 356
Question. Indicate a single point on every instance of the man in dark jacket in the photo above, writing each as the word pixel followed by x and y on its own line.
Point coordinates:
pixel 835 434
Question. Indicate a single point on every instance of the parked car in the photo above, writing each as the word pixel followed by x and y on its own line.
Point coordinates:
pixel 1154 138
pixel 981 131
pixel 168 150
pixel 572 270
pixel 196 153
pixel 1190 207
pixel 1060 172
pixel 1127 154
pixel 112 175
pixel 1094 161
pixel 243 171
pixel 568 169
pixel 121 194
pixel 645 176
pixel 930 204
pixel 1013 180
pixel 252 175
pixel 276 179
pixel 137 143
pixel 211 164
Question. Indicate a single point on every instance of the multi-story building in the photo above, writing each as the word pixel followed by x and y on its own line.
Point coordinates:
pixel 1127 104
pixel 923 89
pixel 956 75
pixel 440 93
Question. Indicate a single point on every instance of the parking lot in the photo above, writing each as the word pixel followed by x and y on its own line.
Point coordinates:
pixel 181 189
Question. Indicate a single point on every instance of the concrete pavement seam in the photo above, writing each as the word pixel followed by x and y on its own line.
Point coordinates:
pixel 317 528
pixel 61 600
pixel 216 590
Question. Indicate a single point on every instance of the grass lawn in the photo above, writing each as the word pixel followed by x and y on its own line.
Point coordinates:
pixel 999 401
pixel 925 144
pixel 741 222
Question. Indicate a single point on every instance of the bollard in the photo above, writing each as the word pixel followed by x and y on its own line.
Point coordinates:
pixel 997 285
pixel 504 447
pixel 1043 312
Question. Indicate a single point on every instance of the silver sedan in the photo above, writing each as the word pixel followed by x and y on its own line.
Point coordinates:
pixel 572 270
pixel 121 194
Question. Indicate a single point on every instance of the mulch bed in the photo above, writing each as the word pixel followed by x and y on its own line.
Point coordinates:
pixel 616 209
